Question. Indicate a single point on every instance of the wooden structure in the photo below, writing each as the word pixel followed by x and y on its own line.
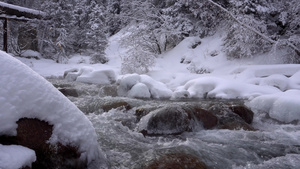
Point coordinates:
pixel 14 12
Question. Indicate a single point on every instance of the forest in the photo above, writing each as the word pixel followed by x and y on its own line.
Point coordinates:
pixel 250 27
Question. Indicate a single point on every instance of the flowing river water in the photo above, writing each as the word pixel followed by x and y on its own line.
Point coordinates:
pixel 271 145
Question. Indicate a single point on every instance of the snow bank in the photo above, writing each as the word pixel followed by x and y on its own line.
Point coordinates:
pixel 16 157
pixel 142 86
pixel 214 87
pixel 24 93
pixel 283 106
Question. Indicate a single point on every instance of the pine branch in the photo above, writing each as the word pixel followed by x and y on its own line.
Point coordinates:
pixel 268 39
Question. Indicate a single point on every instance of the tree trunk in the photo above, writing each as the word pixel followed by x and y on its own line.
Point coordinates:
pixel 5 35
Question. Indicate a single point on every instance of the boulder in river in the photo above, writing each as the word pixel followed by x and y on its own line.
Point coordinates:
pixel 175 119
pixel 177 161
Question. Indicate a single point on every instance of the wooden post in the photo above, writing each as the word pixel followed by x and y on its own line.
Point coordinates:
pixel 5 35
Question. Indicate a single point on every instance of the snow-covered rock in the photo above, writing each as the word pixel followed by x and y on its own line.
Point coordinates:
pixel 25 94
pixel 213 87
pixel 139 90
pixel 89 75
pixel 16 157
pixel 283 106
pixel 98 77
pixel 142 86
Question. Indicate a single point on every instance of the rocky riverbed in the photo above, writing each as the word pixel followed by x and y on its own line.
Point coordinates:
pixel 190 134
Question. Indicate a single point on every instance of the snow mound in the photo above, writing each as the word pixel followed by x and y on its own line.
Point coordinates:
pixel 282 106
pixel 89 75
pixel 31 54
pixel 15 157
pixel 214 87
pixel 25 94
pixel 142 86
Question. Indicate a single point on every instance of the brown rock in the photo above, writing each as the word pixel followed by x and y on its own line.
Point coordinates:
pixel 68 92
pixel 243 112
pixel 175 119
pixel 113 105
pixel 236 125
pixel 208 119
pixel 34 134
pixel 177 161
pixel 169 120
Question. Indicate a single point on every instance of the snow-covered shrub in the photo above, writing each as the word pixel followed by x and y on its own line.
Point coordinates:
pixel 98 58
pixel 240 42
pixel 137 60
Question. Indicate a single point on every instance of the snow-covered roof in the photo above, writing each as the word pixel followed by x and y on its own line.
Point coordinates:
pixel 19 11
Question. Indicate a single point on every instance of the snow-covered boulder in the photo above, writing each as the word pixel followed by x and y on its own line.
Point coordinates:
pixel 176 119
pixel 142 86
pixel 16 157
pixel 139 90
pixel 98 77
pixel 89 75
pixel 214 87
pixel 25 94
pixel 282 106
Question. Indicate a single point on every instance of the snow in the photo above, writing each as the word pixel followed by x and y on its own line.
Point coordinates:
pixel 16 157
pixel 24 93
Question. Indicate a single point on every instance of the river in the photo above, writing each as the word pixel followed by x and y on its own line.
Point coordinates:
pixel 271 145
